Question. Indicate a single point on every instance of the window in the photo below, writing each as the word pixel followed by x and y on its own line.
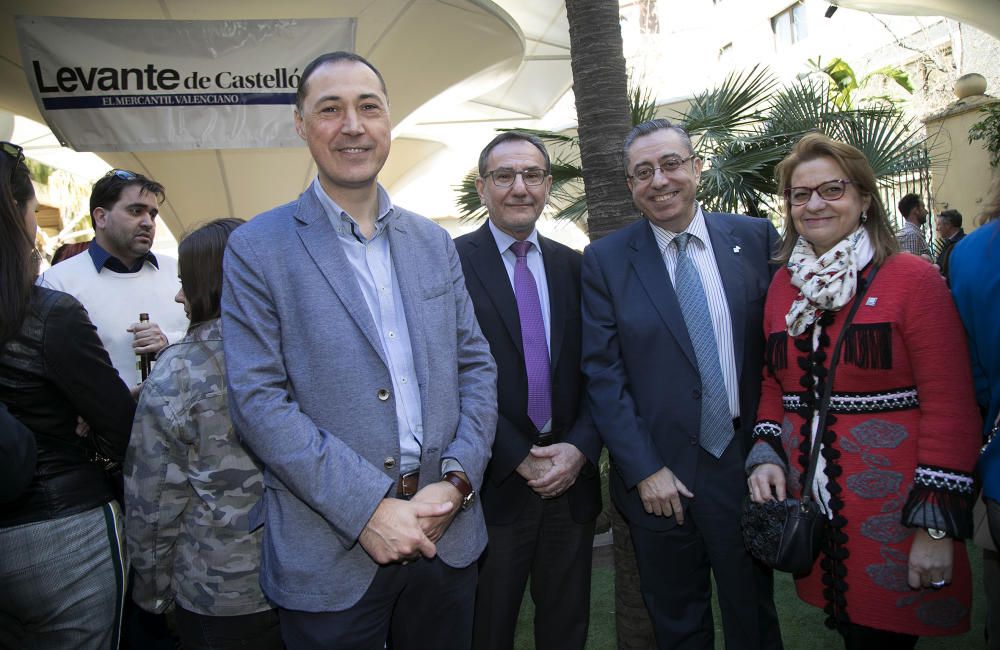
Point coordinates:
pixel 790 26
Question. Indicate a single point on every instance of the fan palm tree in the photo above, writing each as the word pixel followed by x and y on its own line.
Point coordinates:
pixel 742 128
pixel 745 126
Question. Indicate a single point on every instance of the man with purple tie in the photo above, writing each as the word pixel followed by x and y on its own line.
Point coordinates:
pixel 541 493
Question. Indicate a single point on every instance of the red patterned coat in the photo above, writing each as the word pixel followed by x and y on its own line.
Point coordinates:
pixel 900 444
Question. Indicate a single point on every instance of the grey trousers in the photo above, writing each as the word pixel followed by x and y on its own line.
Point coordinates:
pixel 63 582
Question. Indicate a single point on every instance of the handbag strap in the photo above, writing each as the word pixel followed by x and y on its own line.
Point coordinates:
pixel 824 404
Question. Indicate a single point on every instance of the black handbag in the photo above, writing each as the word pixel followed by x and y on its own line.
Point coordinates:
pixel 788 535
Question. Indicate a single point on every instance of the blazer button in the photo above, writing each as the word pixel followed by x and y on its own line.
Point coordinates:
pixel 383 394
pixel 696 393
pixel 693 440
pixel 389 462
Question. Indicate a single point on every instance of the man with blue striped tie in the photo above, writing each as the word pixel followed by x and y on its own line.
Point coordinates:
pixel 673 349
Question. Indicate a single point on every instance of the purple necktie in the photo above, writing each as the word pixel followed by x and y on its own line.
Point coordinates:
pixel 536 348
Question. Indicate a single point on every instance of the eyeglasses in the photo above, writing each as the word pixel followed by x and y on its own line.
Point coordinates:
pixel 123 174
pixel 828 191
pixel 506 177
pixel 668 166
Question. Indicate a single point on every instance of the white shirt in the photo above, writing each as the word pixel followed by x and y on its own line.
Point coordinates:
pixel 700 253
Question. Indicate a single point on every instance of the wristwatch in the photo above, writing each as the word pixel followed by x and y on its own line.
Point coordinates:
pixel 463 486
pixel 934 533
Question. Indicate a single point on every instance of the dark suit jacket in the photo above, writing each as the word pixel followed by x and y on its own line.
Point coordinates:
pixel 643 382
pixel 505 492
pixel 943 259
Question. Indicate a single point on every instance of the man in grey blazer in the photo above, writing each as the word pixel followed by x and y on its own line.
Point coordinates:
pixel 360 378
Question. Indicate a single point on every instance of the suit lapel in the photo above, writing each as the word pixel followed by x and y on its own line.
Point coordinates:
pixel 558 281
pixel 407 269
pixel 491 272
pixel 323 246
pixel 647 261
pixel 726 245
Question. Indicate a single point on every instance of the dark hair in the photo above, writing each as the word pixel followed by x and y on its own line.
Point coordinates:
pixel 66 251
pixel 199 261
pixel 652 126
pixel 512 136
pixel 109 189
pixel 18 257
pixel 954 217
pixel 907 203
pixel 857 169
pixel 332 57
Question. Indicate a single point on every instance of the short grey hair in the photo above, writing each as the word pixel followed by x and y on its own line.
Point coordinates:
pixel 652 126
pixel 954 217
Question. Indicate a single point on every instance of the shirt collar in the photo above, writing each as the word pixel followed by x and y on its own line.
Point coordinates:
pixel 343 222
pixel 504 240
pixel 103 259
pixel 697 228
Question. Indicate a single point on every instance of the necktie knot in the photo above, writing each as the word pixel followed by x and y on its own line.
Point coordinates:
pixel 521 248
pixel 682 240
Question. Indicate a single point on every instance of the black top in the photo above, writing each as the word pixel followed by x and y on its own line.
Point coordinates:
pixel 54 370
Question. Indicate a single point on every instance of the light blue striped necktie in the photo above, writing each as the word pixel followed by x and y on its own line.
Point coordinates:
pixel 716 420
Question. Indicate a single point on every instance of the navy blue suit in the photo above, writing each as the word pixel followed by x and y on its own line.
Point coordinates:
pixel 644 390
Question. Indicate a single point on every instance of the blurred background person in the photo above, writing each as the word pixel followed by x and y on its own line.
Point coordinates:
pixel 911 234
pixel 898 448
pixel 189 482
pixel 61 564
pixel 975 286
pixel 66 251
pixel 948 225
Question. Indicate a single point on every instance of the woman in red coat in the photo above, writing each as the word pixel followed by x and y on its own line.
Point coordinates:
pixel 895 470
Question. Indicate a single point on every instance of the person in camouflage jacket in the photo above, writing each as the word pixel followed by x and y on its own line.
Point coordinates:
pixel 189 482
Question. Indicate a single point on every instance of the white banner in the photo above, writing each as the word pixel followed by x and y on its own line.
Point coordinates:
pixel 141 85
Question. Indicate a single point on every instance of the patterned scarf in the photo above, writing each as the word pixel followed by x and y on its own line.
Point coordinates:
pixel 827 282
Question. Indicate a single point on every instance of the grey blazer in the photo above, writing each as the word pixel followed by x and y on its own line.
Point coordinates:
pixel 311 393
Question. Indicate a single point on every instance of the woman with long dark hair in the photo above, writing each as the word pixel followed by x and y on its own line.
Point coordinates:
pixel 897 448
pixel 61 561
pixel 190 484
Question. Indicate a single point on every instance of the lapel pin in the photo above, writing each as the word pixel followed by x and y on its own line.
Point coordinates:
pixel 736 249
pixel 871 301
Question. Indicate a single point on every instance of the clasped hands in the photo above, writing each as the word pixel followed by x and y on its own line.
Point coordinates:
pixel 400 531
pixel 551 470
pixel 930 560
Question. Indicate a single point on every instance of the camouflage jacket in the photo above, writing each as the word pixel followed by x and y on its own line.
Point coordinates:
pixel 189 486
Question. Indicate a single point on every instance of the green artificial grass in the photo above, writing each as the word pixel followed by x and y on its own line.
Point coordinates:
pixel 801 625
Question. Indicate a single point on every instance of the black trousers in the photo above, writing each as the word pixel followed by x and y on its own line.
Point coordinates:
pixel 859 637
pixel 424 604
pixel 257 631
pixel 676 565
pixel 556 552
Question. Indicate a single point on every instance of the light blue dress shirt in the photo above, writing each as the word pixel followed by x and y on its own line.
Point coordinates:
pixel 371 260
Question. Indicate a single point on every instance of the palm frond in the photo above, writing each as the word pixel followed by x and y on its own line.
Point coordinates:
pixel 720 113
pixel 467 200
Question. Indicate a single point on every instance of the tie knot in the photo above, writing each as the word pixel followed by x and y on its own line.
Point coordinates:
pixel 521 248
pixel 682 241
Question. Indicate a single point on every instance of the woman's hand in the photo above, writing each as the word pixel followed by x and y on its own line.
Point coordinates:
pixel 767 482
pixel 930 561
